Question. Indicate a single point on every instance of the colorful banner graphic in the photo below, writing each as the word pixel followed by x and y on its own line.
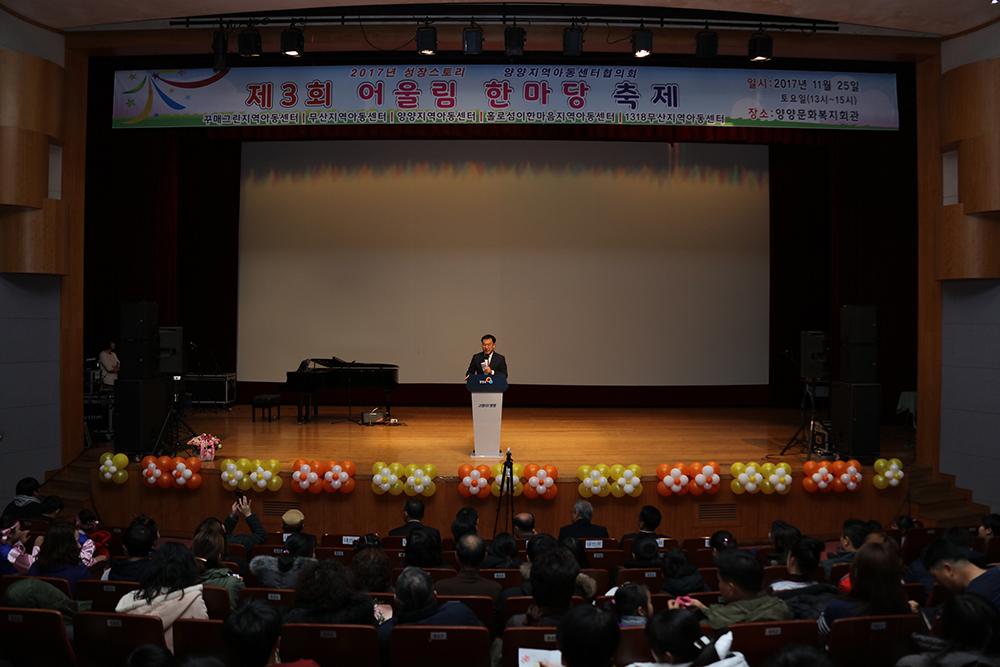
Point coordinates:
pixel 504 94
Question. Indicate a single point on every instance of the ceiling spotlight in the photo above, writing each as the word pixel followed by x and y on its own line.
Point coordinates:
pixel 760 46
pixel 642 43
pixel 706 44
pixel 513 40
pixel 292 42
pixel 250 42
pixel 572 42
pixel 427 40
pixel 220 44
pixel 472 40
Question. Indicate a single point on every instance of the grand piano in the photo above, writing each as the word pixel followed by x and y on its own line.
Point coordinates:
pixel 315 375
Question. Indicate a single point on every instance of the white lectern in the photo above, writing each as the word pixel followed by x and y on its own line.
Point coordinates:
pixel 487 407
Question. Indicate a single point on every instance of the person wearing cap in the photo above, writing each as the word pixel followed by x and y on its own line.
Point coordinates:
pixel 292 521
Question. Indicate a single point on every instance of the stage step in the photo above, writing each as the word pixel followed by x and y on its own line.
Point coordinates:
pixel 936 500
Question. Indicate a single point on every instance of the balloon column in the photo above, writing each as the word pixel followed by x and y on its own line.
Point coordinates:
pixel 752 477
pixel 617 480
pixel 165 472
pixel 395 478
pixel 475 481
pixel 541 481
pixel 828 476
pixel 339 477
pixel 113 468
pixel 887 473
pixel 695 478
pixel 244 474
pixel 514 483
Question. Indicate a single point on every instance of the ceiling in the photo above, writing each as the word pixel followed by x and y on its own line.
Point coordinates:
pixel 934 17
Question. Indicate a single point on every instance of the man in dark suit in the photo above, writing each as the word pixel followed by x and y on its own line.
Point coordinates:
pixel 471 552
pixel 581 528
pixel 488 361
pixel 413 512
pixel 649 521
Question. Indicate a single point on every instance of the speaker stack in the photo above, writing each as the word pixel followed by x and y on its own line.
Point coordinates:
pixel 856 400
pixel 140 392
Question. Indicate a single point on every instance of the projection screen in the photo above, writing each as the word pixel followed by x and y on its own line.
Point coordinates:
pixel 593 263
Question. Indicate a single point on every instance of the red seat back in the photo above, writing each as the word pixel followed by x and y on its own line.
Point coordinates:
pixel 601 578
pixel 633 646
pixel 519 605
pixel 330 645
pixel 506 578
pixel 516 638
pixel 104 595
pixel 757 641
pixel 8 580
pixel 872 640
pixel 279 597
pixel 652 577
pixel 193 636
pixel 35 637
pixel 481 605
pixel 216 601
pixel 450 646
pixel 607 559
pixel 102 638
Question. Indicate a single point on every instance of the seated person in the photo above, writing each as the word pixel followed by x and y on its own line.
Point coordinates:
pixel 581 527
pixel 633 604
pixel 252 632
pixel 257 535
pixel 372 572
pixel 418 605
pixel 138 541
pixel 93 542
pixel 553 580
pixel 989 528
pixel 52 508
pixel 782 536
pixel 645 553
pixel 588 637
pixel 876 587
pixel 802 559
pixel 292 521
pixel 26 503
pixel 720 541
pixel 208 548
pixel 59 556
pixel 471 551
pixel 463 525
pixel 18 550
pixel 680 577
pixel 502 554
pixel 413 514
pixel 423 550
pixel 649 521
pixel 675 637
pixel 585 587
pixel 323 594
pixel 852 536
pixel 575 547
pixel 524 525
pixel 29 593
pixel 282 571
pixel 969 635
pixel 740 578
pixel 953 570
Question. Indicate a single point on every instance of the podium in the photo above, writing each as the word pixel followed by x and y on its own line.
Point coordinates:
pixel 487 406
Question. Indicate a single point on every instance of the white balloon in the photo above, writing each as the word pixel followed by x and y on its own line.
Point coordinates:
pixel 386 471
pixel 337 469
pixel 181 467
pixel 774 479
pixel 604 482
pixel 186 474
pixel 549 482
pixel 151 466
pixel 303 485
pixel 312 477
pixel 708 471
pixel 267 475
pixel 467 481
pixel 151 480
pixel 231 467
pixel 675 472
pixel 296 476
pixel 750 470
pixel 107 475
pixel 817 477
pixel 676 488
pixel 628 475
pixel 715 479
pixel 823 485
pixel 628 488
pixel 344 477
pixel 305 468
pixel 780 487
pixel 751 487
pixel 893 482
pixel 621 481
pixel 475 474
pixel 385 487
pixel 541 474
pixel 595 474
pixel 684 480
pixel 419 488
pixel 588 483
pixel 336 483
pixel 743 479
pixel 851 486
pixel 157 472
pixel 699 480
pixel 181 481
pixel 239 475
pixel 112 469
pixel 261 484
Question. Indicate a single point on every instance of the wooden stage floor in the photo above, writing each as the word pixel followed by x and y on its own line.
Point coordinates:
pixel 564 437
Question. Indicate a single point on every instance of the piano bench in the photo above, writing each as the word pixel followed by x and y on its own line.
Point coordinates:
pixel 265 401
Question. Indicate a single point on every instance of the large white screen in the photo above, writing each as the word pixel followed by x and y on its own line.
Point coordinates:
pixel 593 263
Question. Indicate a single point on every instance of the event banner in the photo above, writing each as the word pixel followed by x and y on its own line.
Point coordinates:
pixel 411 94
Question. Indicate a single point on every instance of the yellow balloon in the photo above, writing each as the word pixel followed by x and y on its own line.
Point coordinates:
pixel 635 469
pixel 120 461
pixel 409 490
pixel 603 469
pixel 767 470
pixel 256 463
pixel 397 488
pixel 617 470
pixel 584 491
pixel 274 465
pixel 616 490
pixel 105 456
pixel 396 468
pixel 880 482
pixel 243 465
pixel 784 466
pixel 767 487
pixel 636 490
pixel 518 470
pixel 881 466
pixel 495 489
pixel 244 484
pixel 496 470
pixel 274 483
pixel 737 487
pixel 897 462
pixel 377 488
pixel 120 477
pixel 225 464
pixel 582 473
pixel 429 489
pixel 409 470
pixel 736 469
pixel 605 491
pixel 378 466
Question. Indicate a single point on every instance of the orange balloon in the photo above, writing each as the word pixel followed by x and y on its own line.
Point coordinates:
pixel 316 488
pixel 349 468
pixel 684 489
pixel 465 492
pixel 163 463
pixel 484 471
pixel 298 464
pixel 694 469
pixel 529 491
pixel 147 460
pixel 529 472
pixel 808 484
pixel 551 471
pixel 827 489
pixel 551 492
pixel 296 488
pixel 663 470
pixel 839 468
pixel 327 486
pixel 715 467
pixel 318 468
pixel 348 486
pixel 839 486
pixel 695 489
pixel 662 488
pixel 165 481
pixel 714 489
pixel 682 467
pixel 855 464
pixel 464 470
pixel 193 463
pixel 810 468
pixel 194 482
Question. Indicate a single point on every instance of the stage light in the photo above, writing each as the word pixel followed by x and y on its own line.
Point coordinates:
pixel 427 40
pixel 513 41
pixel 250 43
pixel 472 40
pixel 220 44
pixel 572 42
pixel 292 42
pixel 760 46
pixel 706 44
pixel 642 43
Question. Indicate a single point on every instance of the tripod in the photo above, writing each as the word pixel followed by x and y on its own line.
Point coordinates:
pixel 804 436
pixel 506 491
pixel 169 440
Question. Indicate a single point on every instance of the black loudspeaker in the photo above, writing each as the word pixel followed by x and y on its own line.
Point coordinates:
pixel 172 360
pixel 140 407
pixel 140 359
pixel 854 415
pixel 858 341
pixel 814 352
pixel 139 319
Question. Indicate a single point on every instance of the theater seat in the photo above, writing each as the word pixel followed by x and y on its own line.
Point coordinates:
pixel 872 640
pixel 216 601
pixel 279 597
pixel 103 639
pixel 104 595
pixel 519 605
pixel 441 645
pixel 8 580
pixel 516 638
pixel 481 605
pixel 506 578
pixel 652 577
pixel 331 645
pixel 633 646
pixel 757 641
pixel 199 636
pixel 35 637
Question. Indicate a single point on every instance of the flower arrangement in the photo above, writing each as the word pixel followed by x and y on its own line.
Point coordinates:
pixel 206 444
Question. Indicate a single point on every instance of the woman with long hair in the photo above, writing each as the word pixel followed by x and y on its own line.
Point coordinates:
pixel 208 548
pixel 59 556
pixel 502 553
pixel 282 571
pixel 782 536
pixel 876 587
pixel 680 577
pixel 169 589
pixel 324 594
pixel 422 550
pixel 632 604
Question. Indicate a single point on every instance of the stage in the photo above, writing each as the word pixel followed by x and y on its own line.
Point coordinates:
pixel 565 438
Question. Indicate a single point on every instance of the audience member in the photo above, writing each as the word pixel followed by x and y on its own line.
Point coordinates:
pixel 372 571
pixel 781 536
pixel 588 637
pixel 26 503
pixel 524 525
pixel 413 514
pixel 740 578
pixel 471 551
pixel 502 554
pixel 585 587
pixel 150 655
pixel 422 549
pixel 800 655
pixel 951 568
pixel 649 521
pixel 30 593
pixel 469 514
pixel 169 589
pixel 367 541
pixel 462 526
pixel 292 521
pixel 581 527
pixel 553 580
pixel 873 525
pixel 208 548
pixel 92 541
pixel 138 541
pixel 323 594
pixel 575 547
pixel 52 508
pixel 852 536
pixel 418 605
pixel 959 537
pixel 281 571
pixel 632 604
pixel 214 525
pixel 989 527
pixel 59 556
pixel 17 549
pixel 645 552
pixel 252 633
pixel 675 637
pixel 801 559
pixel 969 636
pixel 680 577
pixel 257 535
pixel 905 523
pixel 721 540
pixel 876 587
